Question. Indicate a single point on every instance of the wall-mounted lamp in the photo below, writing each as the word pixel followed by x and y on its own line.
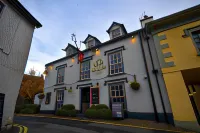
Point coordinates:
pixel 133 39
pixel 97 51
pixel 73 59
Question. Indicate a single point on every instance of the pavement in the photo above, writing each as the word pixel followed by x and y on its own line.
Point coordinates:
pixel 52 125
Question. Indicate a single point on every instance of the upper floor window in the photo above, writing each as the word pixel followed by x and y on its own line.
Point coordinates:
pixel 1 6
pixel 196 38
pixel 116 33
pixel 85 70
pixel 61 75
pixel 69 52
pixel 116 63
pixel 91 44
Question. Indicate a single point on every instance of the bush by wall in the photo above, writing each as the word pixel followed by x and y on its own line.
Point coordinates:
pixel 100 111
pixel 62 112
pixel 18 108
pixel 34 107
pixel 68 107
pixel 27 111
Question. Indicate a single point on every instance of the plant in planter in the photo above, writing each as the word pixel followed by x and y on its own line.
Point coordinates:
pixel 41 96
pixel 135 85
pixel 70 89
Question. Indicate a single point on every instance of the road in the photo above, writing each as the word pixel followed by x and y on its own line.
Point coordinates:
pixel 49 125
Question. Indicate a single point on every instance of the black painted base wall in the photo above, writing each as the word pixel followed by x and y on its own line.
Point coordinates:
pixel 151 116
pixel 47 112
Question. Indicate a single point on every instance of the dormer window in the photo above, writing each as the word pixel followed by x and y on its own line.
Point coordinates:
pixel 116 33
pixel 91 44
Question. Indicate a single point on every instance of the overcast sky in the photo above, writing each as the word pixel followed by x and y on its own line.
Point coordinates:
pixel 61 18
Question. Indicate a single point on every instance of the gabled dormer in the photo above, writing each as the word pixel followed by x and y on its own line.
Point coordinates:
pixel 116 30
pixel 70 49
pixel 91 41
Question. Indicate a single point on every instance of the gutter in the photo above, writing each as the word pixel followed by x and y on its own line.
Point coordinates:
pixel 149 80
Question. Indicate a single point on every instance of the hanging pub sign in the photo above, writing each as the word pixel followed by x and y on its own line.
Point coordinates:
pixel 98 65
pixel 117 110
pixel 94 95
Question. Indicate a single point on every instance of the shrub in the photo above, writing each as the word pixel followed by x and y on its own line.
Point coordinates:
pixel 101 106
pixel 71 113
pixel 62 112
pixel 135 85
pixel 27 111
pixel 34 107
pixel 68 107
pixel 91 113
pixel 105 113
pixel 93 106
pixel 18 108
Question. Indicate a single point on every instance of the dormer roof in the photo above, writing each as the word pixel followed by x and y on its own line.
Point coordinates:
pixel 69 45
pixel 90 36
pixel 114 24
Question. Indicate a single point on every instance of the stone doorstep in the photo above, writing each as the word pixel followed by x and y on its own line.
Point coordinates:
pixel 126 122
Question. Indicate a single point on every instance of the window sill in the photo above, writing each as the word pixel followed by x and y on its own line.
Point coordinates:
pixel 59 84
pixel 116 74
pixel 84 80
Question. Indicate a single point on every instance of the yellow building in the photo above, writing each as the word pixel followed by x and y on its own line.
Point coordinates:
pixel 177 42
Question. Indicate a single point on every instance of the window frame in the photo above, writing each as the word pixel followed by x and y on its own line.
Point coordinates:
pixel 114 31
pixel 109 63
pixel 92 40
pixel 62 67
pixel 48 98
pixel 195 45
pixel 124 93
pixel 84 71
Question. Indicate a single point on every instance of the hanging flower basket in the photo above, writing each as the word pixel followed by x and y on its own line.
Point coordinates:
pixel 41 96
pixel 70 90
pixel 135 85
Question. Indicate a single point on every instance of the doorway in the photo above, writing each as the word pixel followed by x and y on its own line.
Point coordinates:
pixel 2 97
pixel 59 99
pixel 85 99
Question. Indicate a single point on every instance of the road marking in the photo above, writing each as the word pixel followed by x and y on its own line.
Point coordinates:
pixel 109 123
pixel 22 129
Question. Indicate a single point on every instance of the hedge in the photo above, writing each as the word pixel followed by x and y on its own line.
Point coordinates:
pixel 68 107
pixel 18 108
pixel 27 111
pixel 99 111
pixel 62 112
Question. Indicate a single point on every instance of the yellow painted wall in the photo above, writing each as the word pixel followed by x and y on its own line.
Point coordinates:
pixel 179 99
pixel 182 49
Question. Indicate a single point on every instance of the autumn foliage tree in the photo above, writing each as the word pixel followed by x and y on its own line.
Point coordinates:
pixel 30 86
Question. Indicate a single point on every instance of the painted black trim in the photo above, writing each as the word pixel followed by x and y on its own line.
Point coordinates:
pixel 84 80
pixel 87 59
pixel 60 88
pixel 115 23
pixel 113 80
pixel 111 50
pixel 89 84
pixel 2 99
pixel 22 10
pixel 149 80
pixel 116 74
pixel 64 65
pixel 97 46
pixel 47 112
pixel 59 84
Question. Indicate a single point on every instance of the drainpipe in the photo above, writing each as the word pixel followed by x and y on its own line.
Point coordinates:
pixel 149 80
pixel 155 72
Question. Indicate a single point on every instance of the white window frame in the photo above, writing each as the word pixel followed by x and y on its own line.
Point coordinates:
pixel 123 89
pixel 84 70
pixel 117 63
pixel 89 43
pixel 58 75
pixel 191 31
pixel 115 31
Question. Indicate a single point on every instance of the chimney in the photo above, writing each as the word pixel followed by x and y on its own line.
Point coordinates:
pixel 145 20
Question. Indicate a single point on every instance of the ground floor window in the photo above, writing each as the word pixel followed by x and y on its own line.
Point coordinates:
pixel 48 98
pixel 117 94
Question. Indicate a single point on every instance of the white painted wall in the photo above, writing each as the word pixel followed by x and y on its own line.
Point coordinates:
pixel 15 41
pixel 137 101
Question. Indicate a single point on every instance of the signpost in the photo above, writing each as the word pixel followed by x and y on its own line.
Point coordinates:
pixel 117 110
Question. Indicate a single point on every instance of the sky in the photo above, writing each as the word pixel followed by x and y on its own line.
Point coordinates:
pixel 61 18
